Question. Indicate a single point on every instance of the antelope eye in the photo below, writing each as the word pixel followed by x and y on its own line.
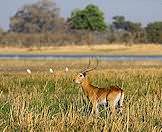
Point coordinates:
pixel 80 75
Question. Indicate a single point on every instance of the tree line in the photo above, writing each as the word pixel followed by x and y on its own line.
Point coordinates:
pixel 40 24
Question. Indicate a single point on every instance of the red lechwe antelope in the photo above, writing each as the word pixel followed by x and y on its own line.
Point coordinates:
pixel 113 96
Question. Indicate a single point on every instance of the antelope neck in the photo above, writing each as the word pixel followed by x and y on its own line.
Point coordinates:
pixel 85 83
pixel 87 87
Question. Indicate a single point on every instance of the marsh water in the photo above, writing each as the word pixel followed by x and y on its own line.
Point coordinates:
pixel 81 56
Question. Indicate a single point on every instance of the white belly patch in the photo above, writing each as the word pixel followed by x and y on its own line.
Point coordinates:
pixel 103 102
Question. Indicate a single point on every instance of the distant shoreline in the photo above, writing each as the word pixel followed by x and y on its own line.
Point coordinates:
pixel 104 49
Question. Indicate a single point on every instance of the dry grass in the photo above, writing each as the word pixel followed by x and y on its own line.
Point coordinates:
pixel 115 49
pixel 52 102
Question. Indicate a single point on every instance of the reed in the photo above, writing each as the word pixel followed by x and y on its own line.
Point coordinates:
pixel 52 102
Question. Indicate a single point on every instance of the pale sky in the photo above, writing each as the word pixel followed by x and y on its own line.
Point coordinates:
pixel 144 11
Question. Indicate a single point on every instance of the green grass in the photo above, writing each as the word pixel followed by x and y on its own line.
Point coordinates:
pixel 45 102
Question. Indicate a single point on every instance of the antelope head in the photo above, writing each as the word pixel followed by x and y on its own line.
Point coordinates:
pixel 82 74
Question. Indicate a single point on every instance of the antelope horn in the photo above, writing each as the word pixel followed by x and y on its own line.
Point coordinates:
pixel 93 68
pixel 84 69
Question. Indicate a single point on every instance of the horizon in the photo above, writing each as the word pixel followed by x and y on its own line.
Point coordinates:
pixel 148 10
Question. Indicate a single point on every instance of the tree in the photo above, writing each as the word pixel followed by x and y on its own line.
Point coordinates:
pixel 154 32
pixel 42 16
pixel 90 18
pixel 130 30
pixel 132 26
pixel 119 22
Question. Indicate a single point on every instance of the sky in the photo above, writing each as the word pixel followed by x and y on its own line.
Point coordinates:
pixel 144 11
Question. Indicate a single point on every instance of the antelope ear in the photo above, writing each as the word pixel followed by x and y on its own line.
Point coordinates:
pixel 84 73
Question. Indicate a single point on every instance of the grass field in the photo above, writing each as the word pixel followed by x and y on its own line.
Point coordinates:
pixel 112 49
pixel 52 102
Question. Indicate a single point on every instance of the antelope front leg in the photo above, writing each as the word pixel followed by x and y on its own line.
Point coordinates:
pixel 95 108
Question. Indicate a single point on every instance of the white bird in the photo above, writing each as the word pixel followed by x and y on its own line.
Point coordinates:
pixel 51 70
pixel 66 69
pixel 28 71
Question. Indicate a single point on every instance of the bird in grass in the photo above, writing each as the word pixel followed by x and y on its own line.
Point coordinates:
pixel 28 71
pixel 66 69
pixel 51 70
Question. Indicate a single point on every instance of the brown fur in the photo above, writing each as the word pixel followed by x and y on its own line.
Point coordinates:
pixel 97 95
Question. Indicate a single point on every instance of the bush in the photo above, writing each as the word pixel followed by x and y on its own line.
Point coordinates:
pixel 154 32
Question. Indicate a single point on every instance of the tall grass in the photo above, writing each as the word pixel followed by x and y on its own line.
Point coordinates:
pixel 46 102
